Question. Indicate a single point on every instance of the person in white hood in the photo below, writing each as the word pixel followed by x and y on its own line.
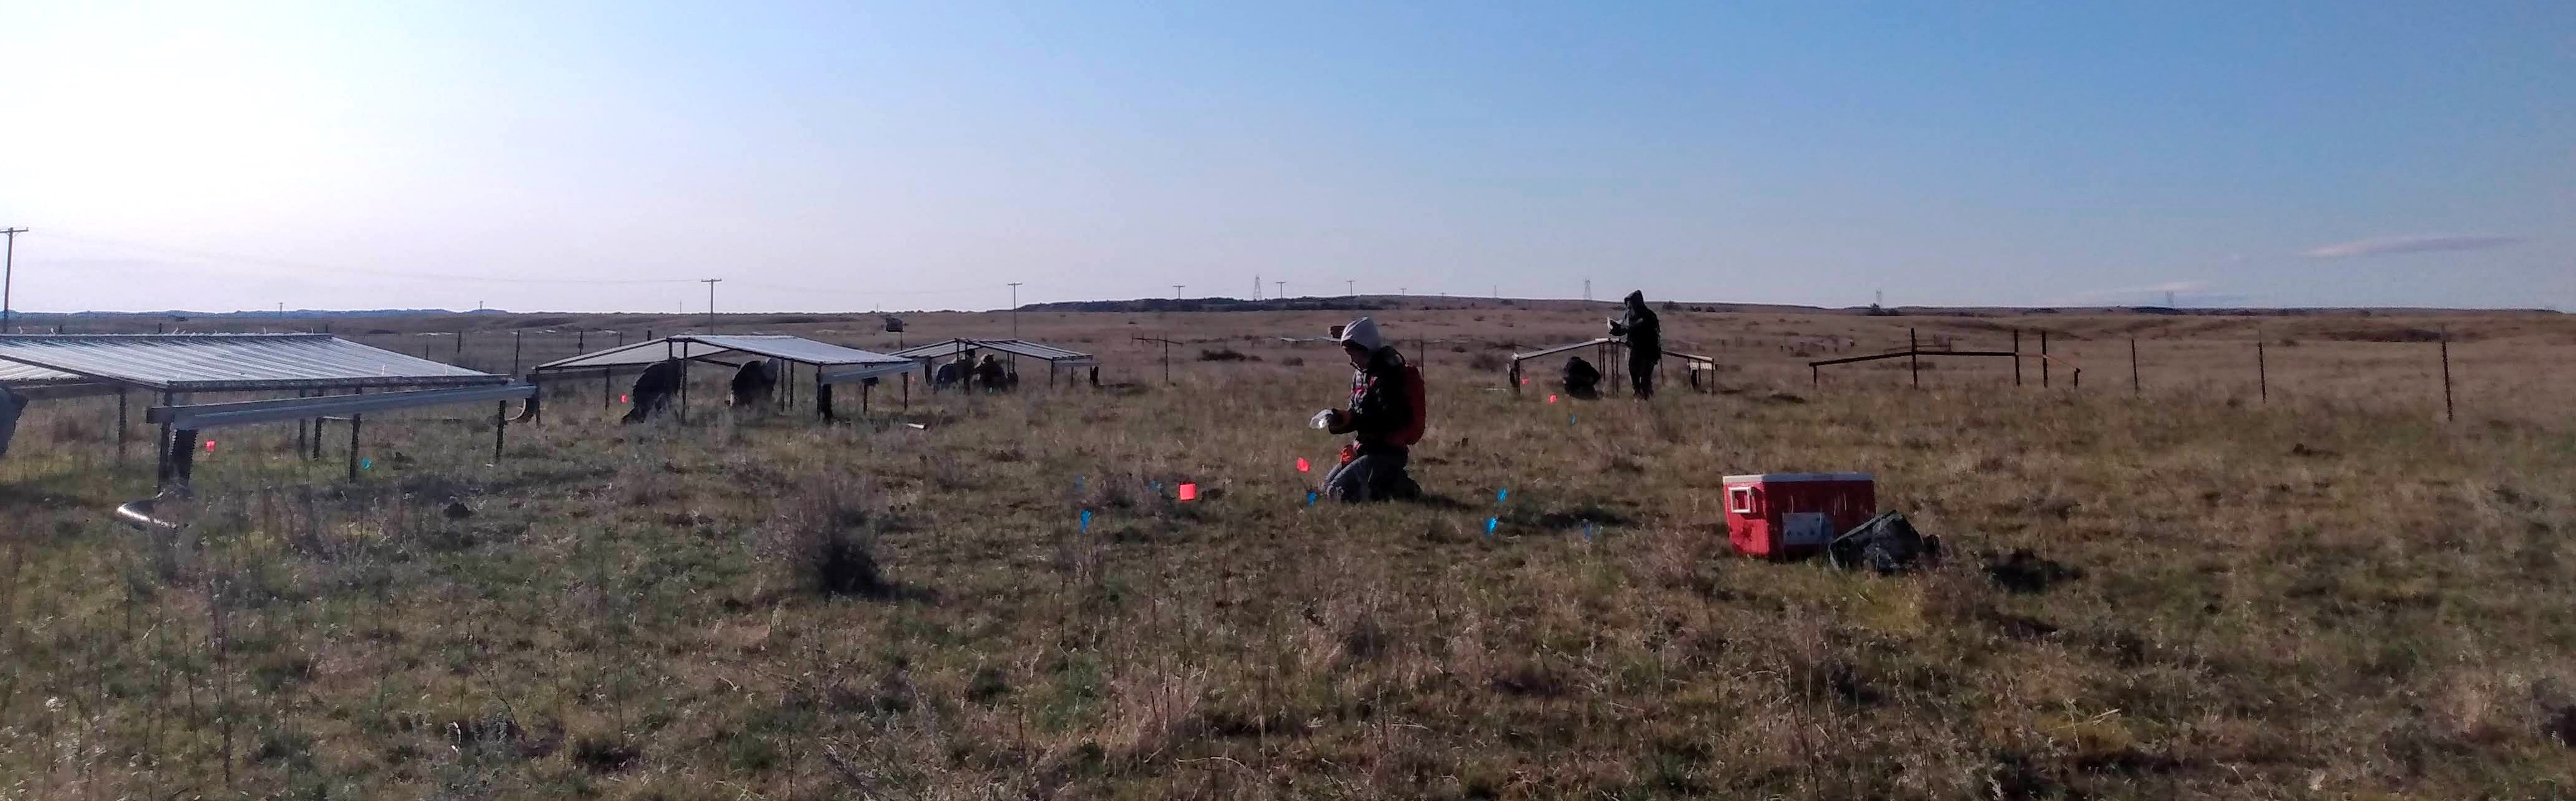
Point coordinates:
pixel 1384 419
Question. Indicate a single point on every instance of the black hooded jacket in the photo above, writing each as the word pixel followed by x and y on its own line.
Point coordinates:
pixel 1645 334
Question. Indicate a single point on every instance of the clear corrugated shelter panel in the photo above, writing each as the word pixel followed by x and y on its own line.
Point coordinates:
pixel 231 362
pixel 14 375
pixel 715 347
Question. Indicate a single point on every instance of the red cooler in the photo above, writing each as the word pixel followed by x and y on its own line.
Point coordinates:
pixel 1788 515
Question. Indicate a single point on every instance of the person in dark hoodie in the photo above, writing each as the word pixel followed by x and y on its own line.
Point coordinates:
pixel 1384 419
pixel 1645 338
pixel 10 406
pixel 1582 380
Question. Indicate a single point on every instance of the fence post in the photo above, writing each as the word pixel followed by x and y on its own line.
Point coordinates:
pixel 2262 371
pixel 2133 367
pixel 2043 358
pixel 1914 358
pixel 460 348
pixel 514 354
pixel 2016 357
pixel 2449 413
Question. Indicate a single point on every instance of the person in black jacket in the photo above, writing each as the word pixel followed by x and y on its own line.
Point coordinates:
pixel 1645 338
pixel 1378 419
pixel 1582 380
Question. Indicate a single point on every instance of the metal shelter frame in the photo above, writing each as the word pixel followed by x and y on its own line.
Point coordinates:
pixel 832 364
pixel 329 376
pixel 930 354
pixel 1611 369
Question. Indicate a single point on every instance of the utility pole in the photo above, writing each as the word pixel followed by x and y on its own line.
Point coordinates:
pixel 1282 294
pixel 1256 286
pixel 1015 310
pixel 1176 291
pixel 711 302
pixel 1350 288
pixel 8 274
pixel 1587 290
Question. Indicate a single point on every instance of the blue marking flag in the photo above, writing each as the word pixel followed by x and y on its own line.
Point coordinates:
pixel 366 464
pixel 1086 521
pixel 1490 524
pixel 1587 531
pixel 1310 497
pixel 1502 495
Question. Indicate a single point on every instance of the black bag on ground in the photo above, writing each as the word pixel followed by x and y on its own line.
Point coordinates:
pixel 1887 544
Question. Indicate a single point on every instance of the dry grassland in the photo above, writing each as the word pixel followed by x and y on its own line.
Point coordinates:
pixel 2329 594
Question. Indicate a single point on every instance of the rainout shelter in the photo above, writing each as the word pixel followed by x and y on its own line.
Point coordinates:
pixel 329 375
pixel 831 364
pixel 930 355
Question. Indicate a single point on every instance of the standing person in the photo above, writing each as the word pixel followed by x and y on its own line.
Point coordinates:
pixel 1645 343
pixel 1385 419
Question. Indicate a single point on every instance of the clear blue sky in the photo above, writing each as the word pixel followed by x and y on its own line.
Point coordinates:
pixel 830 157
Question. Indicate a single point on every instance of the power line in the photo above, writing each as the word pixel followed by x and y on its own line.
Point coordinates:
pixel 213 256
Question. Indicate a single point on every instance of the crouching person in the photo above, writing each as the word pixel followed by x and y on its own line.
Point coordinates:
pixel 1385 419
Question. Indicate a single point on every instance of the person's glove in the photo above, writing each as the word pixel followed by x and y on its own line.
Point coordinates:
pixel 1324 419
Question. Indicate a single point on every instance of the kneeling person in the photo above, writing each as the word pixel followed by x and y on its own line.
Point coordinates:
pixel 1582 380
pixel 1385 419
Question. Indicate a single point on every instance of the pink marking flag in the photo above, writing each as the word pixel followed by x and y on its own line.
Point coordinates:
pixel 1302 466
pixel 1189 492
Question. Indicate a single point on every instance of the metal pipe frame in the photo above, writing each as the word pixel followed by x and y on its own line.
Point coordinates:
pixel 218 415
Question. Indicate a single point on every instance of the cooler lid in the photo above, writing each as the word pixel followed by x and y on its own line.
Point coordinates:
pixel 1784 478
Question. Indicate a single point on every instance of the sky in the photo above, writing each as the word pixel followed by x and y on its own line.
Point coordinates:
pixel 855 156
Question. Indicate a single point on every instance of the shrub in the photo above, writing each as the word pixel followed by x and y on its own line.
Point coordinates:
pixel 1488 361
pixel 1226 355
pixel 826 539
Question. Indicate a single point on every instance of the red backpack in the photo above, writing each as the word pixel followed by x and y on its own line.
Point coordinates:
pixel 1417 397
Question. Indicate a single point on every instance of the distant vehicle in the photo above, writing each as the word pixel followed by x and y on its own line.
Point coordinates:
pixel 893 324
